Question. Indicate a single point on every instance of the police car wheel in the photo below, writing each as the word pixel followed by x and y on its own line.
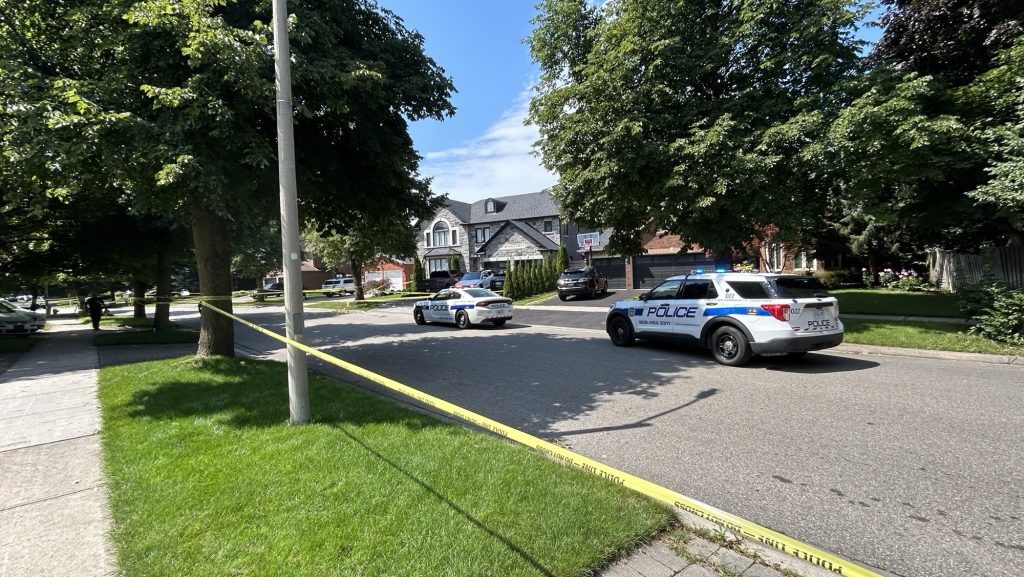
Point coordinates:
pixel 462 320
pixel 417 315
pixel 730 347
pixel 621 332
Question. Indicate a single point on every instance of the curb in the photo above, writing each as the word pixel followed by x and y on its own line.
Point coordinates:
pixel 859 349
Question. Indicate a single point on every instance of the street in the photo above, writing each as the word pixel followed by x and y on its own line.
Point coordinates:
pixel 910 465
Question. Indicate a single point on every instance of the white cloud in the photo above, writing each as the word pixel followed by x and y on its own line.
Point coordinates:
pixel 498 163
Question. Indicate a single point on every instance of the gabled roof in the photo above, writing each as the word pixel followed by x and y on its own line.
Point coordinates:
pixel 518 207
pixel 461 210
pixel 532 234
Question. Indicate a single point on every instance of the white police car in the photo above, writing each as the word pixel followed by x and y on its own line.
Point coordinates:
pixel 464 307
pixel 736 315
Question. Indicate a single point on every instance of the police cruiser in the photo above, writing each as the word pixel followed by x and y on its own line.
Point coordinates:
pixel 735 315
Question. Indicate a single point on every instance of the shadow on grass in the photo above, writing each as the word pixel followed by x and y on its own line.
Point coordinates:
pixel 247 394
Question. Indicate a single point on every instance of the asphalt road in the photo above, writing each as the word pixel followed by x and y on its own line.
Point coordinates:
pixel 911 465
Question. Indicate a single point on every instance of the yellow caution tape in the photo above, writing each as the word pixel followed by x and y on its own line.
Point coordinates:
pixel 721 518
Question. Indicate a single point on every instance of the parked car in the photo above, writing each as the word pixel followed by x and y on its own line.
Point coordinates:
pixel 497 281
pixel 586 281
pixel 464 307
pixel 476 279
pixel 339 286
pixel 442 279
pixel 17 321
pixel 735 315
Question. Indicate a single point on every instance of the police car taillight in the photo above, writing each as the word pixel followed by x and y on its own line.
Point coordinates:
pixel 780 312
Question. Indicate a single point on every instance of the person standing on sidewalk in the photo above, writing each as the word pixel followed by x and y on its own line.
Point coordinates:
pixel 95 306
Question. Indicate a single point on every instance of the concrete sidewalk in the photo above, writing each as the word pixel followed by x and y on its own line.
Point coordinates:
pixel 54 520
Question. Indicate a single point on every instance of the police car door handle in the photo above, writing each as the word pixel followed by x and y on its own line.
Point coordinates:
pixel 711 303
pixel 665 305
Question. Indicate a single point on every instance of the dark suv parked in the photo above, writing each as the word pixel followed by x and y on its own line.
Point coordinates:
pixel 581 281
pixel 442 279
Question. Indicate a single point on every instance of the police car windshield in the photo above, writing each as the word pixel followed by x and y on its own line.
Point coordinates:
pixel 799 287
pixel 478 293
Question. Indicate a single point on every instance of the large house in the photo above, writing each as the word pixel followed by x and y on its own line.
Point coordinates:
pixel 491 233
pixel 494 232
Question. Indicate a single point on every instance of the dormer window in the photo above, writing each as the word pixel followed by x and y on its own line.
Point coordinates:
pixel 489 206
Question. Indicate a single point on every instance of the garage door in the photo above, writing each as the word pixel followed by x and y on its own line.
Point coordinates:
pixel 614 269
pixel 649 270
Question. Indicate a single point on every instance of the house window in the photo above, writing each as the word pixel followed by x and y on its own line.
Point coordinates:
pixel 437 264
pixel 482 234
pixel 800 260
pixel 564 227
pixel 773 252
pixel 441 234
pixel 455 236
pixel 426 238
pixel 489 207
pixel 547 226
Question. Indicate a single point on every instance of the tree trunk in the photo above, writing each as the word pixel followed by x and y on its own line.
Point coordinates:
pixel 162 316
pixel 139 294
pixel 213 263
pixel 357 276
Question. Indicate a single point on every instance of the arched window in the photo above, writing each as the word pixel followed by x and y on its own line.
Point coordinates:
pixel 489 207
pixel 441 234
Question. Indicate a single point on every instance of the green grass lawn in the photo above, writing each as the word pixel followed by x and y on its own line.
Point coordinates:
pixel 890 302
pixel 923 335
pixel 535 298
pixel 207 478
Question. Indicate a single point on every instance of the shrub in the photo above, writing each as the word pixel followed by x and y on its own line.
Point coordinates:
pixel 977 298
pixel 1003 319
pixel 839 277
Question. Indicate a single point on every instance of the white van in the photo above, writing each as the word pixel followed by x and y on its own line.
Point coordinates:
pixel 339 286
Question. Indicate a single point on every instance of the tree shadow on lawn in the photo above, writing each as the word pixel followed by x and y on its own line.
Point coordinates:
pixel 253 394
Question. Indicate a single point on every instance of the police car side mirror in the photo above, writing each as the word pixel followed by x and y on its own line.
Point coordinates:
pixel 643 297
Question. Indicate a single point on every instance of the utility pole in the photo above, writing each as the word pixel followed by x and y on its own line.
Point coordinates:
pixel 298 376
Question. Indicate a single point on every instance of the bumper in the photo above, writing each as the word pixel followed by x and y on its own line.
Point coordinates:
pixel 574 290
pixel 797 344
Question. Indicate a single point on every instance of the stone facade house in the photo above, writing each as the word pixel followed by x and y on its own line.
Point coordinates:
pixel 491 233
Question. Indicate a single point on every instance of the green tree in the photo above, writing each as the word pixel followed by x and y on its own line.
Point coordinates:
pixel 417 271
pixel 173 103
pixel 453 262
pixel 561 261
pixel 692 116
pixel 365 242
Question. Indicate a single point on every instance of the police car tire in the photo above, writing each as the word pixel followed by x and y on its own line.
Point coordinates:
pixel 729 346
pixel 417 315
pixel 462 320
pixel 621 332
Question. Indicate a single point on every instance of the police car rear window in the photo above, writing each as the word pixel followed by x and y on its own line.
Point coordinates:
pixel 749 289
pixel 799 287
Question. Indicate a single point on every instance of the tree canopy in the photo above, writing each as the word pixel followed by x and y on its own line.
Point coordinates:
pixel 169 105
pixel 692 116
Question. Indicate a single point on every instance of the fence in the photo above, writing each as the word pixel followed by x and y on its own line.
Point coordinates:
pixel 953 271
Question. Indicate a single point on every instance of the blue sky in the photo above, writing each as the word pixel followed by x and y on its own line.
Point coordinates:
pixel 485 149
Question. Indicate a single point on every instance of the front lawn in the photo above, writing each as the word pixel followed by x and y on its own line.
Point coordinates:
pixel 923 335
pixel 890 302
pixel 207 478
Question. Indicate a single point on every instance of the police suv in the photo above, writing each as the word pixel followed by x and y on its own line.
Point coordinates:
pixel 736 315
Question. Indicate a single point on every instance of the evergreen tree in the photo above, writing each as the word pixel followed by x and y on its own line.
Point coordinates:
pixel 562 261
